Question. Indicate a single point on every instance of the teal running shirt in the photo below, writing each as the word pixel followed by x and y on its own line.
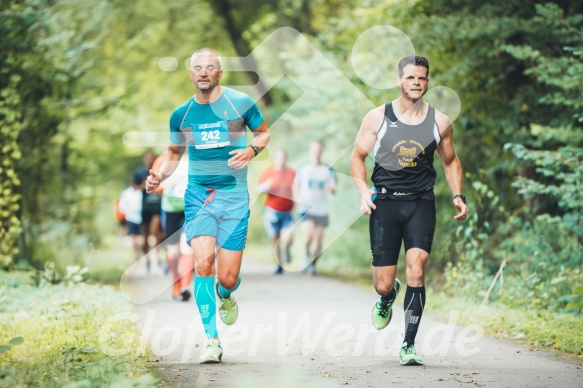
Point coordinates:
pixel 211 131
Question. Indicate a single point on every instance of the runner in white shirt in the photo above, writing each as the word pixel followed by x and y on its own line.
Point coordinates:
pixel 313 182
pixel 173 206
pixel 130 204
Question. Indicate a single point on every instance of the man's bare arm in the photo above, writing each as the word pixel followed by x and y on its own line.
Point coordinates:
pixel 174 153
pixel 451 163
pixel 240 158
pixel 362 147
pixel 261 136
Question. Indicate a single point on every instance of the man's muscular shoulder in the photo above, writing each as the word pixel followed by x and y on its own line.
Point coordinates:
pixel 374 118
pixel 443 122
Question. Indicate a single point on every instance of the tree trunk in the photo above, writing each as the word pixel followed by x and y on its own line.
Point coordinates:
pixel 223 8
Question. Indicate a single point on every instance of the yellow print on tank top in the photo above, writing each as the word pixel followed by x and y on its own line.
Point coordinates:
pixel 408 152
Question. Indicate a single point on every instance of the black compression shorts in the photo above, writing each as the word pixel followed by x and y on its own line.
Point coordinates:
pixel 174 223
pixel 394 221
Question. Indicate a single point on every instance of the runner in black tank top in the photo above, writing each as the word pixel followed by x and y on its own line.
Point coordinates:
pixel 404 177
pixel 403 136
pixel 404 156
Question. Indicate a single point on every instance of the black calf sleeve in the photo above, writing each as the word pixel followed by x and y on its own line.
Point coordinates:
pixel 413 305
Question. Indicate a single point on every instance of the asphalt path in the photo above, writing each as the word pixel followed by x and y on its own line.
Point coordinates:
pixel 300 331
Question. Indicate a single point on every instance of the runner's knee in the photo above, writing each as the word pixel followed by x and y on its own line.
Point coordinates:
pixel 229 282
pixel 205 268
pixel 383 286
pixel 415 276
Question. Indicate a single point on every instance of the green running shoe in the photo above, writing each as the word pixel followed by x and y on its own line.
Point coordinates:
pixel 213 352
pixel 383 312
pixel 228 309
pixel 409 356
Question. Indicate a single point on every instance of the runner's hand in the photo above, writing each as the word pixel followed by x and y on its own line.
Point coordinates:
pixel 366 203
pixel 152 182
pixel 461 208
pixel 240 157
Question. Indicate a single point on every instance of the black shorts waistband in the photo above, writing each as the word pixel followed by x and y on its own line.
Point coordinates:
pixel 385 192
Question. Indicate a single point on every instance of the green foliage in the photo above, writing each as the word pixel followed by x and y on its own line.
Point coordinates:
pixel 54 336
pixel 13 342
pixel 10 199
pixel 38 84
pixel 57 111
pixel 557 143
pixel 559 176
pixel 474 259
pixel 51 276
pixel 544 266
pixel 476 233
pixel 554 172
pixel 542 271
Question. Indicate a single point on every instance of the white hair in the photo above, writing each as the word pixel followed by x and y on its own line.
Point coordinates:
pixel 206 50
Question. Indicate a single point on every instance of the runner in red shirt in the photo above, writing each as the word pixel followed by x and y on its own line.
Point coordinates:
pixel 277 182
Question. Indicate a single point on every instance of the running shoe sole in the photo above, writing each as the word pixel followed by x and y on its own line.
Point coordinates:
pixel 210 360
pixel 411 363
pixel 212 354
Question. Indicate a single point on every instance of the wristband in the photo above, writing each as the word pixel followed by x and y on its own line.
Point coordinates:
pixel 255 148
pixel 463 197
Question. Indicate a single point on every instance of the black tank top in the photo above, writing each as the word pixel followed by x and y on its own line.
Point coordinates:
pixel 404 157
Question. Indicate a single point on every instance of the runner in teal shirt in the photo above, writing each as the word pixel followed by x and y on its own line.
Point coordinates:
pixel 213 125
pixel 211 131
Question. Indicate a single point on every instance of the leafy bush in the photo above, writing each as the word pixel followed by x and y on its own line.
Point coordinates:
pixel 541 272
pixel 543 267
pixel 542 256
pixel 50 275
pixel 474 253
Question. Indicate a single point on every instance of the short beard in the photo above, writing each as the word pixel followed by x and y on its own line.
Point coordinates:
pixel 209 88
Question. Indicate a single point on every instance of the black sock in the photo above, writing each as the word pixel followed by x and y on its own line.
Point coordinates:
pixel 389 297
pixel 413 305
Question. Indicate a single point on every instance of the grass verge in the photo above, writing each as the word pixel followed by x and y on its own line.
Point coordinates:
pixel 537 328
pixel 74 335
